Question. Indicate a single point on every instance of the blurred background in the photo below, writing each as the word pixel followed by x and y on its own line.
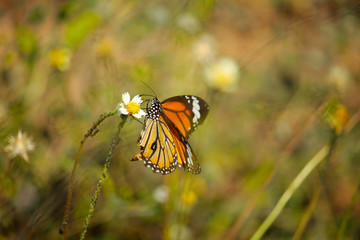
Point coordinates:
pixel 281 78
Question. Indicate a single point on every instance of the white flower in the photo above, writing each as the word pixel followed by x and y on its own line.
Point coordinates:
pixel 339 78
pixel 204 49
pixel 188 22
pixel 180 232
pixel 158 14
pixel 223 74
pixel 20 146
pixel 161 194
pixel 131 108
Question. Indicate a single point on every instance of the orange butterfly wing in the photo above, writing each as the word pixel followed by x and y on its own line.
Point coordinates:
pixel 157 147
pixel 185 155
pixel 186 112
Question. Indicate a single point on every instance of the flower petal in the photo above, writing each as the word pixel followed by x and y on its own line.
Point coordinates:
pixel 137 115
pixel 126 98
pixel 121 105
pixel 142 112
pixel 137 99
pixel 123 110
pixel 25 156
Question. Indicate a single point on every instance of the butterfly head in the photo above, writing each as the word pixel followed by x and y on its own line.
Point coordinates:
pixel 154 110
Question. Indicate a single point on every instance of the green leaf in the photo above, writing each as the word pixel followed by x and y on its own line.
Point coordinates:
pixel 26 41
pixel 80 27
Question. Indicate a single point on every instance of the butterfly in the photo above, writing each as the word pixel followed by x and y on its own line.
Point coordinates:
pixel 167 126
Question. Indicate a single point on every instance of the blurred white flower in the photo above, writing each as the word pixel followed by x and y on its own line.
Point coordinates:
pixel 131 108
pixel 188 22
pixel 158 14
pixel 223 74
pixel 20 145
pixel 161 194
pixel 180 231
pixel 204 49
pixel 339 78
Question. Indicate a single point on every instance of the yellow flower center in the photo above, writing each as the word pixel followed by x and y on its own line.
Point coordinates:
pixel 104 48
pixel 189 198
pixel 133 107
pixel 222 79
pixel 20 145
pixel 60 59
pixel 340 118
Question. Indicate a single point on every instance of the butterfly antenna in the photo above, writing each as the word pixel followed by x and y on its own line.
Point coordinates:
pixel 150 89
pixel 139 121
pixel 147 101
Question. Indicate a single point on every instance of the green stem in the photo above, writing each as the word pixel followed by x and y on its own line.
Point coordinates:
pixel 6 172
pixel 348 213
pixel 306 217
pixel 252 201
pixel 91 132
pixel 290 191
pixel 114 142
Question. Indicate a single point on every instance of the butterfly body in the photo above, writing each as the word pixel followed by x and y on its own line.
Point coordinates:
pixel 163 140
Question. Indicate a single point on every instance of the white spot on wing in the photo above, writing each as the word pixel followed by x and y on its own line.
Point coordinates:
pixel 196 105
pixel 188 150
pixel 197 113
pixel 195 109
